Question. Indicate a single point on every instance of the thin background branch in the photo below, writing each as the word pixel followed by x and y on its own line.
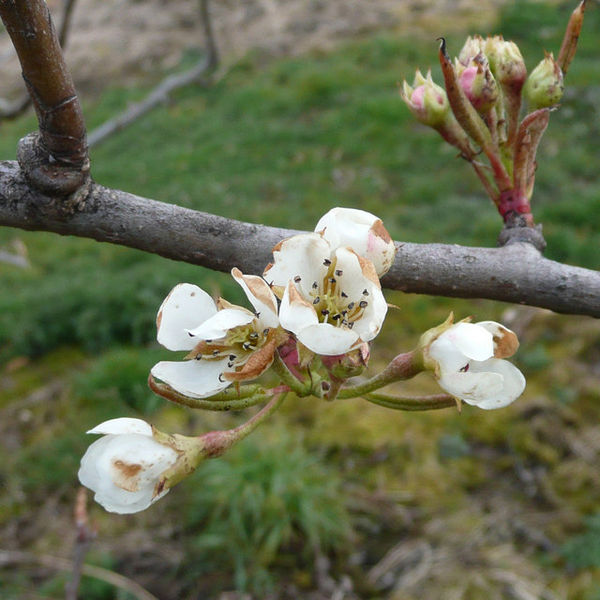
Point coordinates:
pixel 161 93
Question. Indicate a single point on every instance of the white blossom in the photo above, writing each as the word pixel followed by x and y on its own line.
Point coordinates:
pixel 470 364
pixel 225 343
pixel 124 466
pixel 361 231
pixel 331 299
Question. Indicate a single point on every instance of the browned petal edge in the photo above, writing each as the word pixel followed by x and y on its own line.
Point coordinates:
pixel 506 342
pixel 258 286
pixel 160 310
pixel 380 231
pixel 258 363
pixel 296 296
pixel 204 348
pixel 127 475
pixel 368 269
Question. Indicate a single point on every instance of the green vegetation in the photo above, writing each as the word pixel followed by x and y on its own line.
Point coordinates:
pixel 280 144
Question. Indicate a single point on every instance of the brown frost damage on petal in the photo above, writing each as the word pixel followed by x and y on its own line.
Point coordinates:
pixel 257 364
pixel 368 270
pixel 296 297
pixel 258 286
pixel 506 342
pixel 126 475
pixel 380 231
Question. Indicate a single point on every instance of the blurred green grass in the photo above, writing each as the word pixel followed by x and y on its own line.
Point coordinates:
pixel 281 144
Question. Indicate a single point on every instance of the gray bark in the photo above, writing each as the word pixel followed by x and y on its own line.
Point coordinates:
pixel 515 273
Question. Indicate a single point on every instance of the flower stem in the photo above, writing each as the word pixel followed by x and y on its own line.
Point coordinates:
pixel 411 403
pixel 227 400
pixel 404 366
pixel 288 378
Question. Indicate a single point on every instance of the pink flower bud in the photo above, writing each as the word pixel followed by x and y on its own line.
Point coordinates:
pixel 478 83
pixel 426 100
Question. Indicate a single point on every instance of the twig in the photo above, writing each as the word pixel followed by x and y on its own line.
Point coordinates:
pixel 14 109
pixel 516 273
pixel 162 92
pixel 11 557
pixel 85 537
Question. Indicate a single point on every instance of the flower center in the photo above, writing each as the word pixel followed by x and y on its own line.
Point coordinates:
pixel 331 303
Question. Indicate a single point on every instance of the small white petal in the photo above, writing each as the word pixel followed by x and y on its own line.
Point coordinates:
pixel 299 256
pixel 260 296
pixel 449 358
pixel 193 378
pixel 295 313
pixel 470 386
pixel 184 308
pixel 472 341
pixel 361 231
pixel 513 382
pixel 326 339
pixel 123 425
pixel 217 326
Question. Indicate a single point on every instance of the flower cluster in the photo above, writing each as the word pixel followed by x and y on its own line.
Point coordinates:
pixel 314 313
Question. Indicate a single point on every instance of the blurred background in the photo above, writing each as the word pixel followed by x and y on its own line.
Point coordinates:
pixel 339 500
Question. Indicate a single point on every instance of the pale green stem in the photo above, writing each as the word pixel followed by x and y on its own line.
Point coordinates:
pixel 404 366
pixel 228 400
pixel 411 403
pixel 288 378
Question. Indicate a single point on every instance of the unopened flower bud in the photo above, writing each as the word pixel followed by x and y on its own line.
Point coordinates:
pixel 506 62
pixel 478 83
pixel 351 364
pixel 544 86
pixel 426 100
pixel 473 46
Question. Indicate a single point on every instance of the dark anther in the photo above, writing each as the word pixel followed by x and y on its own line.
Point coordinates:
pixel 315 285
pixel 325 386
pixel 363 303
pixel 344 322
pixel 246 345
pixel 190 334
pixel 253 335
pixel 336 317
pixel 215 352
pixel 317 300
pixel 324 312
pixel 198 356
pixel 232 357
pixel 266 331
pixel 208 341
pixel 365 292
pixel 230 364
pixel 351 325
pixel 257 314
pixel 339 272
pixel 221 378
pixel 344 295
pixel 351 306
pixel 297 279
pixel 465 368
pixel 326 262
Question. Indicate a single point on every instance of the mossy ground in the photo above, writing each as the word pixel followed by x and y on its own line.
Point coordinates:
pixel 434 505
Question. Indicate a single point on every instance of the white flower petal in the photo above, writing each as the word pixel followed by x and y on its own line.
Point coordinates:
pixel 361 231
pixel 470 386
pixel 513 382
pixel 260 295
pixel 217 326
pixel 193 378
pixel 185 307
pixel 475 342
pixel 354 283
pixel 123 425
pixel 124 469
pixel 326 339
pixel 295 313
pixel 299 256
pixel 447 355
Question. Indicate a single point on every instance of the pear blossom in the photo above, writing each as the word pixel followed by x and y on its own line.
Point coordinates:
pixel 124 466
pixel 225 343
pixel 361 231
pixel 469 364
pixel 331 298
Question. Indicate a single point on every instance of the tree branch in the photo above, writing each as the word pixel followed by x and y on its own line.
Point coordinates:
pixel 161 93
pixel 515 273
pixel 56 160
pixel 12 110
